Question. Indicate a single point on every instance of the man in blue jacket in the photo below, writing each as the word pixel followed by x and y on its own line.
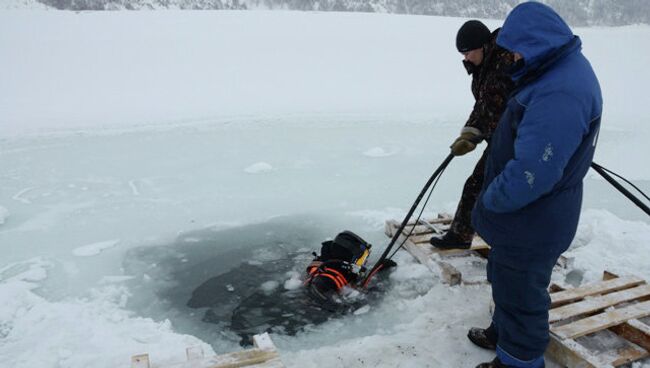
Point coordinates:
pixel 529 206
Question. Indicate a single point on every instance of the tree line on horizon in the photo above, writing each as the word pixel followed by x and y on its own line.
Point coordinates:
pixel 576 12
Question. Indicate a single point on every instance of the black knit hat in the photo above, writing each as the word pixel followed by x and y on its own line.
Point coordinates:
pixel 472 35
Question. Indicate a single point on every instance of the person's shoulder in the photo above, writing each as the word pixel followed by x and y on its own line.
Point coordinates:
pixel 494 35
pixel 502 60
pixel 501 57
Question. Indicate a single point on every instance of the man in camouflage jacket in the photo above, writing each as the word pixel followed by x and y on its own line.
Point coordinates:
pixel 488 64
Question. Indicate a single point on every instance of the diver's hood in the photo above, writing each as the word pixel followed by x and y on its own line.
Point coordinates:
pixel 346 246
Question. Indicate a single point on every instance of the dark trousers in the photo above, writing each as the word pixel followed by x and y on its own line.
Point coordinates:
pixel 462 223
pixel 520 293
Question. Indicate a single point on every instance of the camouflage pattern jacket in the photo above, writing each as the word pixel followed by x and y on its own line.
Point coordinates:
pixel 491 86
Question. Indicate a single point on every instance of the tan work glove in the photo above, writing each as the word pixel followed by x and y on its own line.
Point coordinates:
pixel 467 141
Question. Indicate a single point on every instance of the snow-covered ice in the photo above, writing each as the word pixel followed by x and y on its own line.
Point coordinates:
pixel 379 152
pixel 4 214
pixel 94 249
pixel 270 285
pixel 144 127
pixel 293 282
pixel 259 167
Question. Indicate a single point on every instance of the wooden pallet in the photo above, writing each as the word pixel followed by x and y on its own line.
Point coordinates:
pixel 602 324
pixel 264 355
pixel 455 265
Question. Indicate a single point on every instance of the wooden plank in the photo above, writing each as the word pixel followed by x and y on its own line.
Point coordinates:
pixel 419 247
pixel 554 288
pixel 434 228
pixel 627 355
pixel 448 253
pixel 442 218
pixel 563 262
pixel 140 361
pixel 424 254
pixel 263 342
pixel 593 289
pixel 634 331
pixel 418 230
pixel 421 239
pixel 424 239
pixel 479 243
pixel 389 228
pixel 424 226
pixel 479 246
pixel 597 303
pixel 571 354
pixel 264 355
pixel 450 275
pixel 241 359
pixel 422 233
pixel 423 245
pixel 421 253
pixel 601 321
pixel 643 327
pixel 485 253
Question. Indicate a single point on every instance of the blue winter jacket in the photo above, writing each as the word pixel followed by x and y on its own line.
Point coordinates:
pixel 545 141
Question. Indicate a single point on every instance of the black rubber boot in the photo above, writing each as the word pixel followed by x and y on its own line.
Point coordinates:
pixel 496 363
pixel 450 241
pixel 485 338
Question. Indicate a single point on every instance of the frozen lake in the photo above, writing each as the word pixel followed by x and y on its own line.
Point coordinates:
pixel 145 153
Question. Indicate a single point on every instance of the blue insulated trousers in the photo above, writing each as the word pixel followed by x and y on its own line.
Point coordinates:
pixel 520 293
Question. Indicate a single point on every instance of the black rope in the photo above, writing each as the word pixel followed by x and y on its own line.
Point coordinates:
pixel 622 178
pixel 604 173
pixel 424 190
pixel 432 180
pixel 426 201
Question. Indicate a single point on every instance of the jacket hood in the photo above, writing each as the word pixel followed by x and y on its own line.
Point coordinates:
pixel 535 31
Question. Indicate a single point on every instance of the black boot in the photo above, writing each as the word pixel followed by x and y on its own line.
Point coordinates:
pixel 496 363
pixel 485 338
pixel 450 241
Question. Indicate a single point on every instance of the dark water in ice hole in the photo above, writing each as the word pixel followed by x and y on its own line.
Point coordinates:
pixel 208 283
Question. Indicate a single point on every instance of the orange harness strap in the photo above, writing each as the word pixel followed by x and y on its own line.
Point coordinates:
pixel 339 280
pixel 333 278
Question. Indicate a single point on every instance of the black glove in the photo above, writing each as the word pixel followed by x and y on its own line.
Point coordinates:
pixel 467 141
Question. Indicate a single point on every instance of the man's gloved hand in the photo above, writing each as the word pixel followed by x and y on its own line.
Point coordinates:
pixel 469 138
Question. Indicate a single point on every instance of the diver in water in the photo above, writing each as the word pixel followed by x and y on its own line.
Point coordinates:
pixel 333 285
pixel 341 265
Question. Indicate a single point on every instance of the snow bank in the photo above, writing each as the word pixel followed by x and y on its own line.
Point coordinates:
pixel 93 332
pixel 606 242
